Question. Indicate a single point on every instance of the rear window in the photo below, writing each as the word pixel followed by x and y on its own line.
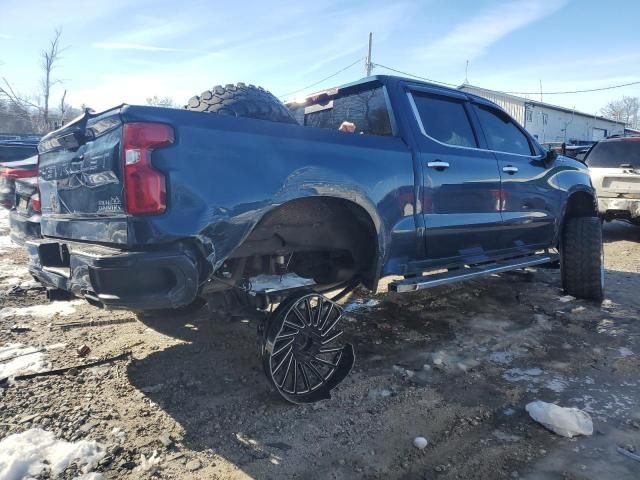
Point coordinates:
pixel 10 153
pixel 613 154
pixel 367 109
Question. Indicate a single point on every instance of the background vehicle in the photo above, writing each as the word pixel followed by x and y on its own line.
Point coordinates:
pixel 12 171
pixel 24 218
pixel 148 208
pixel 614 165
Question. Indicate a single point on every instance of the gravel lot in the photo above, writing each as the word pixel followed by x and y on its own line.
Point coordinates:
pixel 455 365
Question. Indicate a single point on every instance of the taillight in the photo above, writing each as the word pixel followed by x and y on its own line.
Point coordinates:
pixel 35 202
pixel 144 186
pixel 18 172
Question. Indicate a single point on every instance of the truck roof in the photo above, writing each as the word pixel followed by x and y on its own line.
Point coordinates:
pixel 394 79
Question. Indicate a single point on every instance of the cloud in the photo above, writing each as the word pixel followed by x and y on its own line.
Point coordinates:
pixel 471 38
pixel 132 46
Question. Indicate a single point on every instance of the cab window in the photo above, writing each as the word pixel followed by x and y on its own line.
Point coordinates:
pixel 501 132
pixel 445 119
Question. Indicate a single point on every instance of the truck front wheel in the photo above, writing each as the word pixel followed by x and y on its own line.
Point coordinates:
pixel 581 258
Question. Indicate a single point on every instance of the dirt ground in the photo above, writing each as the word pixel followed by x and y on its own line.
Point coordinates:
pixel 455 364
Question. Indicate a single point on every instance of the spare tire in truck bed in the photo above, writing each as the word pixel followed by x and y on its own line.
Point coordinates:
pixel 242 101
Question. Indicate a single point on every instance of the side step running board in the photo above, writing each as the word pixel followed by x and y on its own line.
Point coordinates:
pixel 468 273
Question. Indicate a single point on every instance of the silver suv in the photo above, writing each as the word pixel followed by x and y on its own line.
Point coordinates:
pixel 614 165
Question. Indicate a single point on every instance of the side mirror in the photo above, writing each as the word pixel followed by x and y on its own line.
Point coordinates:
pixel 550 157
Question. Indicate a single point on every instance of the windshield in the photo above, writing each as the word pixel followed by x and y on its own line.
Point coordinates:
pixel 612 154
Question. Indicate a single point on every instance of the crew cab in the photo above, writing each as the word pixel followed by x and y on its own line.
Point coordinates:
pixel 150 208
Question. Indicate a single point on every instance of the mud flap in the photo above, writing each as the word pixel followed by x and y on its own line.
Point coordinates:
pixel 302 354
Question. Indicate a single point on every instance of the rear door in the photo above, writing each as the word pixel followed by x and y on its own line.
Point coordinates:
pixel 460 181
pixel 529 200
pixel 80 179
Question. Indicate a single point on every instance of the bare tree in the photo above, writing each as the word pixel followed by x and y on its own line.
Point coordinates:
pixel 63 107
pixel 36 109
pixel 166 102
pixel 50 57
pixel 625 110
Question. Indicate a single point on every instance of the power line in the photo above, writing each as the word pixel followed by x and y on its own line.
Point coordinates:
pixel 323 80
pixel 611 87
pixel 414 76
pixel 600 89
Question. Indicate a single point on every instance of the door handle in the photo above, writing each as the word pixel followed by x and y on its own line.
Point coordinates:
pixel 438 164
pixel 510 169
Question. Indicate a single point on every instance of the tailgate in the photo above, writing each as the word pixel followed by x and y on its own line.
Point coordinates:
pixel 80 180
pixel 614 182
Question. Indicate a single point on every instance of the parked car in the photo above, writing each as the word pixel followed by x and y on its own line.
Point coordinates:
pixel 15 147
pixel 614 165
pixel 24 218
pixel 147 208
pixel 10 172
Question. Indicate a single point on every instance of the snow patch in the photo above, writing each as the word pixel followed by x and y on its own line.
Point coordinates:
pixel 41 311
pixel 503 358
pixel 519 375
pixel 556 385
pixel 16 358
pixel 352 307
pixel 625 352
pixel 32 452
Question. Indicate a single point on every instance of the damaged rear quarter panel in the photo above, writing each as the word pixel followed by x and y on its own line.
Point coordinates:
pixel 225 173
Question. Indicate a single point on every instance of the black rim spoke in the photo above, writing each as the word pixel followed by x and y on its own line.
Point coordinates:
pixel 330 350
pixel 300 317
pixel 326 317
pixel 333 324
pixel 305 379
pixel 316 320
pixel 315 371
pixel 282 348
pixel 286 373
pixel 325 362
pixel 275 370
pixel 332 337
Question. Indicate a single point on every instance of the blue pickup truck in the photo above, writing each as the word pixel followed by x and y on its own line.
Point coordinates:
pixel 150 208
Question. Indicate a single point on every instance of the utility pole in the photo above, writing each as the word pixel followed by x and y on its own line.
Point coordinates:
pixel 368 64
pixel 540 90
pixel 466 74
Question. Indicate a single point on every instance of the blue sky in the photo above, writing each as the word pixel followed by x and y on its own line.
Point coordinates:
pixel 124 50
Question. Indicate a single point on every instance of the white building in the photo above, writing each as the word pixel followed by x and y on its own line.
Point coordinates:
pixel 551 123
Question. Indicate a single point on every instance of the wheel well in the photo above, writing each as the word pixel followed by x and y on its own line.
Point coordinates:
pixel 319 237
pixel 581 204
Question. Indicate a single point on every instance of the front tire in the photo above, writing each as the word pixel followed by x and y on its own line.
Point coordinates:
pixel 582 260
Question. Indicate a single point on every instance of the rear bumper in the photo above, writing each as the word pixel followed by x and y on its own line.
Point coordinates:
pixel 628 207
pixel 23 228
pixel 112 278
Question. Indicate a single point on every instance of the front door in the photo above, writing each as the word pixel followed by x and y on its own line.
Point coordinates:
pixel 460 181
pixel 528 196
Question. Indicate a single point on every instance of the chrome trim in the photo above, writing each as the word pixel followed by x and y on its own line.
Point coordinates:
pixel 438 164
pixel 414 108
pixel 510 169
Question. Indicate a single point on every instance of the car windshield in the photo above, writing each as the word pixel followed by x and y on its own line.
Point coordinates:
pixel 612 154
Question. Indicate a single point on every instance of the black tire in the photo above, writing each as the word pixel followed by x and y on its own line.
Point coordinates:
pixel 581 258
pixel 241 101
